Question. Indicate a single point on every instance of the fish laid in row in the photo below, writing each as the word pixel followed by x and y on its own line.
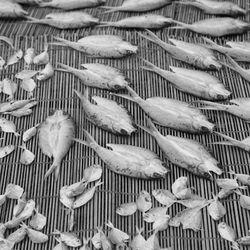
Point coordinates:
pixel 194 54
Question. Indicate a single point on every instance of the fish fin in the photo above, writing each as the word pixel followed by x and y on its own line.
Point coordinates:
pixel 110 224
pixel 16 134
pixel 54 167
pixel 109 9
pixel 235 66
pixel 99 183
pixel 210 105
pixel 237 191
pixel 227 65
pixel 235 245
pixel 150 66
pixel 82 142
pixel 230 139
pixel 243 187
pixel 61 41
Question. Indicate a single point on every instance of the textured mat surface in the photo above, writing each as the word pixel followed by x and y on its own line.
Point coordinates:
pixel 57 93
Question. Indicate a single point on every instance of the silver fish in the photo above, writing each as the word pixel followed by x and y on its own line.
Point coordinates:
pixel 38 221
pixel 13 105
pixel 98 75
pixel 216 210
pixel 13 223
pixel 8 126
pixel 20 112
pixel 69 239
pixel 8 87
pixel 15 58
pixel 75 4
pixel 27 157
pixel 26 74
pixel 128 160
pixel 18 235
pixel 107 114
pixel 154 214
pixel 100 241
pixel 194 54
pixel 144 202
pixel 224 193
pixel 172 113
pixel 76 189
pixel 67 20
pixel 42 58
pixel 7 40
pixel 224 8
pixel 64 199
pixel 186 153
pixel 117 236
pixel 29 133
pixel 161 223
pixel 56 134
pixel 6 245
pixel 13 191
pixel 36 236
pixel 149 21
pixel 165 197
pixel 60 245
pixel 179 184
pixel 244 200
pixel 92 173
pixel 216 27
pixel 28 85
pixel 45 73
pixel 138 6
pixel 239 51
pixel 228 233
pixel 194 82
pixel 27 211
pixel 239 107
pixel 229 184
pixel 9 9
pixel 29 56
pixel 126 209
pixel 100 46
pixel 6 150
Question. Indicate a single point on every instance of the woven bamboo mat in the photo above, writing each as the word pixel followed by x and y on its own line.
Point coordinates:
pixel 57 93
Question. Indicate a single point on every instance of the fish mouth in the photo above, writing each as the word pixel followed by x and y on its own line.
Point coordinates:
pixel 205 129
pixel 215 66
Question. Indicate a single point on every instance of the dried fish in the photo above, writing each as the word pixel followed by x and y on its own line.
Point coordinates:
pixel 8 87
pixel 27 211
pixel 29 56
pixel 165 197
pixel 67 20
pixel 6 245
pixel 193 54
pixel 224 8
pixel 107 114
pixel 13 105
pixel 224 193
pixel 100 46
pixel 189 218
pixel 18 235
pixel 75 4
pixel 46 73
pixel 100 240
pixel 92 173
pixel 64 199
pixel 245 240
pixel 98 75
pixel 27 157
pixel 126 209
pixel 128 160
pixel 149 21
pixel 15 58
pixel 138 6
pixel 238 107
pixel 195 82
pixel 117 236
pixel 21 203
pixel 242 178
pixel 10 9
pixel 76 189
pixel 20 112
pixel 15 222
pixel 152 242
pixel 13 191
pixel 228 233
pixel 38 221
pixel 161 223
pixel 25 74
pixel 42 58
pixel 244 200
pixel 6 150
pixel 86 196
pixel 172 113
pixel 55 138
pixel 138 241
pixel 2 63
pixel 229 184
pixel 36 236
pixel 8 40
pixel 154 214
pixel 144 202
pixel 28 134
pixel 216 210
pixel 69 239
pixel 216 27
pixel 28 85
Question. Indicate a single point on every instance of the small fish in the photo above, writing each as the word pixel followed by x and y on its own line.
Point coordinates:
pixel 239 51
pixel 224 193
pixel 180 185
pixel 75 4
pixel 46 73
pixel 92 173
pixel 15 58
pixel 28 85
pixel 18 235
pixel 31 132
pixel 172 113
pixel 195 82
pixel 27 211
pixel 224 8
pixel 116 236
pixel 10 9
pixel 38 221
pixel 216 210
pixel 69 239
pixel 67 20
pixel 126 209
pixel 245 240
pixel 64 199
pixel 20 112
pixel 42 58
pixel 244 200
pixel 6 150
pixel 2 63
pixel 13 105
pixel 165 197
pixel 239 107
pixel 107 114
pixel 29 56
pixel 138 241
pixel 228 233
pixel 229 184
pixel 194 54
pixel 154 214
pixel 25 74
pixel 36 236
pixel 60 246
pixel 100 46
pixel 128 160
pixel 144 202
pixel 98 75
pixel 161 223
pixel 76 189
pixel 149 21
pixel 86 196
pixel 6 245
pixel 216 27
pixel 8 87
pixel 189 218
pixel 13 191
pixel 138 6
pixel 56 135
pixel 100 240
pixel 242 178
pixel 21 203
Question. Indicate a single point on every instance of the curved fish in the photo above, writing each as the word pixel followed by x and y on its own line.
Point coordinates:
pixel 56 134
pixel 128 160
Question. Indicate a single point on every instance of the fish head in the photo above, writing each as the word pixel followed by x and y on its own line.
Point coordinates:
pixel 202 125
pixel 211 63
pixel 219 93
pixel 130 49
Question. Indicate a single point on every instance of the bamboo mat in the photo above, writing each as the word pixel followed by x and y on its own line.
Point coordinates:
pixel 57 93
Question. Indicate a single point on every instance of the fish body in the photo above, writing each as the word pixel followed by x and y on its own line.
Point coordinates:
pixel 143 202
pixel 154 214
pixel 128 160
pixel 6 150
pixel 15 58
pixel 67 20
pixel 148 21
pixel 228 184
pixel 27 211
pixel 216 210
pixel 38 221
pixel 27 157
pixel 36 236
pixel 25 74
pixel 9 9
pixel 100 46
pixel 195 82
pixel 69 239
pixel 21 203
pixel 13 105
pixel 71 5
pixel 64 199
pixel 8 126
pixel 193 54
pixel 224 8
pixel 107 114
pixel 29 133
pixel 56 134
pixel 99 76
pixel 126 209
pixel 42 58
pixel 18 235
pixel 92 173
pixel 165 197
pixel 139 5
pixel 76 189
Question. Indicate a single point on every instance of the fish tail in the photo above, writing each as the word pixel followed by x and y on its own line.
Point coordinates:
pixel 109 9
pixel 33 20
pixel 99 183
pixel 54 167
pixel 90 141
pixel 61 42
pixel 150 66
pixel 133 94
pixel 210 105
pixel 64 68
pixel 237 191
pixel 183 25
pixel 139 230
pixel 105 24
pixel 16 134
pixel 110 224
pixel 233 64
pixel 235 245
pixel 7 40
